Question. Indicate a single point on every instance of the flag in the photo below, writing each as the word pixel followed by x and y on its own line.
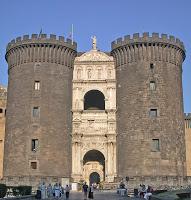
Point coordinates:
pixel 71 34
pixel 40 32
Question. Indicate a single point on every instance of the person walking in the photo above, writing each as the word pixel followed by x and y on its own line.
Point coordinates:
pixel 67 191
pixel 91 192
pixel 43 190
pixel 57 190
pixel 85 190
pixel 61 190
pixel 49 191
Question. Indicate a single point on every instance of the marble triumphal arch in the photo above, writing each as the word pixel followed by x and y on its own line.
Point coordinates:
pixel 94 118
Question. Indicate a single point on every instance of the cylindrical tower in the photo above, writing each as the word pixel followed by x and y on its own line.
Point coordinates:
pixel 38 120
pixel 150 120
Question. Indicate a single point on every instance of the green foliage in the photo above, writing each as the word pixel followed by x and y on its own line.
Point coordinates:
pixel 15 191
pixel 25 190
pixel 3 190
pixel 21 190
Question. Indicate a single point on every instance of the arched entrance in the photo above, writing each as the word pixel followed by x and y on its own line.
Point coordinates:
pixel 94 167
pixel 94 100
pixel 94 178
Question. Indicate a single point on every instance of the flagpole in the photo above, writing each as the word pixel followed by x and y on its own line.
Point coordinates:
pixel 72 34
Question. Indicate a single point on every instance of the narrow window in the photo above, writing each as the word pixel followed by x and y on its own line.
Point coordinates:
pixel 34 144
pixel 36 112
pixel 155 145
pixel 33 165
pixel 5 112
pixel 153 113
pixel 152 85
pixel 37 85
pixel 151 66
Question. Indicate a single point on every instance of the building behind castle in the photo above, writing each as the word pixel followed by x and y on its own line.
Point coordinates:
pixel 95 116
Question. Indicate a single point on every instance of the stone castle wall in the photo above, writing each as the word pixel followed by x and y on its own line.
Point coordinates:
pixel 140 61
pixel 39 112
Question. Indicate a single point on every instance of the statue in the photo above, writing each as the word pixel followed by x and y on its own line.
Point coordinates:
pixel 78 73
pixel 89 73
pixel 94 42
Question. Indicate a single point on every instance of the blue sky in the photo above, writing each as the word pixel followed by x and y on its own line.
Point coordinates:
pixel 107 19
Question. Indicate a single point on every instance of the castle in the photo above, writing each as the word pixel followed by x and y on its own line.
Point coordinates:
pixel 95 116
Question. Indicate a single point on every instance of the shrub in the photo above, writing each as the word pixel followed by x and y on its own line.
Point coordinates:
pixel 15 190
pixel 3 190
pixel 24 190
pixel 21 190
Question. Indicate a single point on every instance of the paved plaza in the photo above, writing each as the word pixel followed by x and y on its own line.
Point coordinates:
pixel 100 196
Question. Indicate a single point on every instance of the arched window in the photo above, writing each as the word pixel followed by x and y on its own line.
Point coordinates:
pixel 94 100
pixel 94 155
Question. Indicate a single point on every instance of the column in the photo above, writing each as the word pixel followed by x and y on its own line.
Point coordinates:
pixel 78 152
pixel 114 159
pixel 73 156
pixel 108 159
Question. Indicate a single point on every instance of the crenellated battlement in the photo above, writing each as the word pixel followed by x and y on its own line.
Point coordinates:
pixel 42 38
pixel 149 48
pixel 146 38
pixel 41 48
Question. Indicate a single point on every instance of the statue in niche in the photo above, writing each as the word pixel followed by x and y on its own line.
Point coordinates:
pixel 78 73
pixel 77 104
pixel 109 73
pixel 99 73
pixel 89 73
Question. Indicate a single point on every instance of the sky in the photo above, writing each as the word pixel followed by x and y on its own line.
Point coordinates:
pixel 107 19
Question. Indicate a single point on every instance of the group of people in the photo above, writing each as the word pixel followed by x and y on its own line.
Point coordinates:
pixel 88 191
pixel 145 191
pixel 56 191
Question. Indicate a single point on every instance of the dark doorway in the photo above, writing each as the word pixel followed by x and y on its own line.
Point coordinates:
pixel 94 100
pixel 94 178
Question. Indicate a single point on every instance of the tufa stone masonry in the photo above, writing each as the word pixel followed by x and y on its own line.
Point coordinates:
pixel 96 116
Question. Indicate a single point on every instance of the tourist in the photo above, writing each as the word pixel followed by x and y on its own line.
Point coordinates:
pixel 43 190
pixel 61 190
pixel 57 190
pixel 49 191
pixel 67 191
pixel 148 193
pixel 85 190
pixel 91 191
pixel 38 193
pixel 142 191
